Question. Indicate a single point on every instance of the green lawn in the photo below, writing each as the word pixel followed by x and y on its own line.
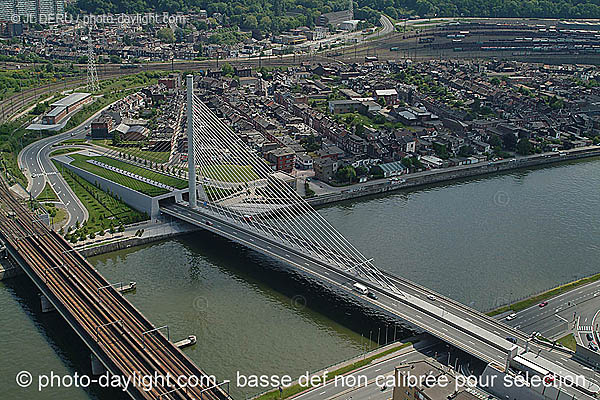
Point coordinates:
pixel 10 168
pixel 155 176
pixel 47 194
pixel 56 213
pixel 142 187
pixel 230 173
pixel 104 210
pixel 64 151
pixel 154 156
pixel 568 341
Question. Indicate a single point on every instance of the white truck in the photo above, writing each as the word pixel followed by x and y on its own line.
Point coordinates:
pixel 360 288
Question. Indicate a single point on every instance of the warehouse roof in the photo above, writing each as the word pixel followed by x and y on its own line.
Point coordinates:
pixel 71 99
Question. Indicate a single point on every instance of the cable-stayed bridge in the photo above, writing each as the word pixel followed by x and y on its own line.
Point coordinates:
pixel 235 194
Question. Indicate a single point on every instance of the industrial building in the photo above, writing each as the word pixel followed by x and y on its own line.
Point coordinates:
pixel 65 106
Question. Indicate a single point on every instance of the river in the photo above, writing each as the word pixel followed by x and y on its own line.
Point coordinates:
pixel 483 242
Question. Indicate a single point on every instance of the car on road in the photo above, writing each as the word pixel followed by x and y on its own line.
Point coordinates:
pixel 511 317
pixel 208 223
pixel 512 339
pixel 431 297
pixel 543 304
pixel 589 337
pixel 372 295
pixel 593 346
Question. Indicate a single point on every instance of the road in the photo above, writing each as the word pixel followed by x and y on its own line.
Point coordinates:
pixel 450 321
pixel 381 368
pixel 35 161
pixel 558 316
pixel 323 189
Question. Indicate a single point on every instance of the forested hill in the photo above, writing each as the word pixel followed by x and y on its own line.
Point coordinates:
pixel 274 15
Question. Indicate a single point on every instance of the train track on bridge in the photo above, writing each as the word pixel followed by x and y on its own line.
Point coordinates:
pixel 124 336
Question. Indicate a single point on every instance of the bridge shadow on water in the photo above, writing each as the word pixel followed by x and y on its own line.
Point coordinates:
pixel 301 288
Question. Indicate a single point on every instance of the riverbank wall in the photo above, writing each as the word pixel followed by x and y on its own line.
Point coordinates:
pixel 128 243
pixel 450 174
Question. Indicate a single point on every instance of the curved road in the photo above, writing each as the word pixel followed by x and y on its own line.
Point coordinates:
pixel 35 161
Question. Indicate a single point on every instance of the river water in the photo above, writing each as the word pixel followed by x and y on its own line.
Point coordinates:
pixel 481 241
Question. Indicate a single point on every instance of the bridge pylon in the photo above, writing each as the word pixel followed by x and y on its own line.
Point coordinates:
pixel 190 133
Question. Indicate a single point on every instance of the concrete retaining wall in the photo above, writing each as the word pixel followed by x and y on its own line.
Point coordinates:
pixel 133 198
pixel 127 243
pixel 587 355
pixel 443 175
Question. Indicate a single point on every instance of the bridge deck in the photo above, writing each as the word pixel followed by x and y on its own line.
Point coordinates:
pixel 450 321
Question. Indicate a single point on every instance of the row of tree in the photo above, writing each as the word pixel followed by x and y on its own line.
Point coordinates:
pixel 280 15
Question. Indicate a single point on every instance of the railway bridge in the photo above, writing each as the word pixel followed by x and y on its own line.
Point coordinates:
pixel 121 340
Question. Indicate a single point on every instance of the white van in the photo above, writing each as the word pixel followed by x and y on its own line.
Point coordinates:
pixel 360 288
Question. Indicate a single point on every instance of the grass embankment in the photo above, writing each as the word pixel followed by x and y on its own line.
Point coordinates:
pixel 523 304
pixel 10 169
pixel 16 81
pixel 142 187
pixel 106 212
pixel 568 341
pixel 56 213
pixel 147 173
pixel 60 152
pixel 134 151
pixel 230 173
pixel 13 138
pixel 295 389
pixel 48 194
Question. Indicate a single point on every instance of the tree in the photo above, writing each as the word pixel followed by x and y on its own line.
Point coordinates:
pixel 346 174
pixel 361 171
pixel 250 22
pixel 166 35
pixel 114 59
pixel 227 69
pixel 524 147
pixel 509 142
pixel 116 139
pixel 466 151
pixel 495 141
pixel 359 129
pixel 121 228
pixel 39 108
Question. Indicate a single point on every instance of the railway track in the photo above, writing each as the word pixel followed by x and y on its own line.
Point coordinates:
pixel 120 330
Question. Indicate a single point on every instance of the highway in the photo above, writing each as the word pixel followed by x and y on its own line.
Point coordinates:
pixel 553 320
pixel 35 161
pixel 464 328
pixel 381 368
